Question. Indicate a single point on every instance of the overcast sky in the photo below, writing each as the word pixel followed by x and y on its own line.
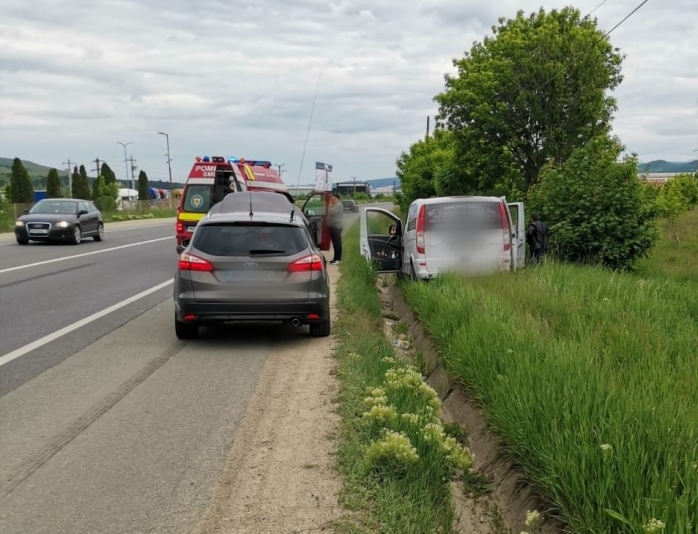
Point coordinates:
pixel 237 78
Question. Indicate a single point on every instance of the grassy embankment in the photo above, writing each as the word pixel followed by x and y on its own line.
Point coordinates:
pixel 590 378
pixel 394 481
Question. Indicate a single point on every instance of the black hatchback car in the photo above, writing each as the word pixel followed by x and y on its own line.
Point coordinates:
pixel 65 220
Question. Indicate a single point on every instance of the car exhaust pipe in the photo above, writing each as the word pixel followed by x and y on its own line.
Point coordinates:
pixel 296 322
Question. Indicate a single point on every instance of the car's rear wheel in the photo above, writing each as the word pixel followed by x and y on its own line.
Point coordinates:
pixel 77 236
pixel 186 330
pixel 22 240
pixel 321 329
pixel 100 233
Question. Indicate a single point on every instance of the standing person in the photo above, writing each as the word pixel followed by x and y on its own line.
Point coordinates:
pixel 537 238
pixel 335 216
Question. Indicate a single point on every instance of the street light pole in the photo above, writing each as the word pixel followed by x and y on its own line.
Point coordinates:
pixel 169 159
pixel 126 160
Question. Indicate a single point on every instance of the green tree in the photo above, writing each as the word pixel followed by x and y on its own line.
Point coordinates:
pixel 53 184
pixel 532 93
pixel 142 186
pixel 597 207
pixel 81 184
pixel 105 194
pixel 418 167
pixel 21 189
pixel 108 173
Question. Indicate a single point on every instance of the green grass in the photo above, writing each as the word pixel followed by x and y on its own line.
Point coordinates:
pixel 386 495
pixel 568 361
pixel 155 213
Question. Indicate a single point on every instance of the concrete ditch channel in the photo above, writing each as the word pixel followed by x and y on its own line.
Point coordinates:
pixel 504 505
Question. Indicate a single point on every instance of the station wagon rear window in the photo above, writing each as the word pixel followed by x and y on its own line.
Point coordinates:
pixel 236 240
pixel 463 215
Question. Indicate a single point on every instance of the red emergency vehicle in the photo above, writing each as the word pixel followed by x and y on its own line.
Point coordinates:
pixel 211 178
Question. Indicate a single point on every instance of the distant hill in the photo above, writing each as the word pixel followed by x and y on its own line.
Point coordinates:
pixel 668 166
pixel 34 169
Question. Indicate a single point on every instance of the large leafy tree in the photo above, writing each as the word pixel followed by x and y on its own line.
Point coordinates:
pixel 53 184
pixel 534 91
pixel 81 184
pixel 21 189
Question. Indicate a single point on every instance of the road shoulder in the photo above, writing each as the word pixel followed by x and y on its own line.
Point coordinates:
pixel 280 474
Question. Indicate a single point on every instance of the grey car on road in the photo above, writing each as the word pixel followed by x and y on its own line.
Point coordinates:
pixel 251 267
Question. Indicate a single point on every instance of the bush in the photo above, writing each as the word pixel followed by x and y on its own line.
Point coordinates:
pixel 597 208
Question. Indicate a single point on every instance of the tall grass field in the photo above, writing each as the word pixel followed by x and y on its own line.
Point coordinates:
pixel 589 377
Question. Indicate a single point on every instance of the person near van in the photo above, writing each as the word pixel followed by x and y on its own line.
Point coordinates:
pixel 335 216
pixel 537 238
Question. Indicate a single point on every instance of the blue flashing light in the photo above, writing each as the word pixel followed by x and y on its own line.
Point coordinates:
pixel 233 159
pixel 206 159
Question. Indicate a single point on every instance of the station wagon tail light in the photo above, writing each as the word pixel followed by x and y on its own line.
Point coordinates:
pixel 505 227
pixel 307 264
pixel 189 262
pixel 420 230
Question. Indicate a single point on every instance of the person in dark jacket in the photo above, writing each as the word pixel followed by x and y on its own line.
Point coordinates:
pixel 537 238
pixel 335 216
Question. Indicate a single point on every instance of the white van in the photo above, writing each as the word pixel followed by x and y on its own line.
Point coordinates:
pixel 467 234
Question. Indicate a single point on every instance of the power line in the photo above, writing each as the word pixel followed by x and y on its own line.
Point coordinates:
pixel 603 36
pixel 307 134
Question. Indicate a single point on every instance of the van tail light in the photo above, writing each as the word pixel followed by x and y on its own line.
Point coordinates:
pixel 309 263
pixel 189 262
pixel 505 227
pixel 420 230
pixel 180 227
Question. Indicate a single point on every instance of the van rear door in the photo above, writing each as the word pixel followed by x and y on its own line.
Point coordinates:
pixel 465 235
pixel 516 210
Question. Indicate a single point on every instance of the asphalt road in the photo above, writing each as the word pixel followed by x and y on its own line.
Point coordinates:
pixel 109 424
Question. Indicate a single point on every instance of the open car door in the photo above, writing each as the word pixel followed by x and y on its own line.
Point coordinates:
pixel 315 209
pixel 381 239
pixel 518 219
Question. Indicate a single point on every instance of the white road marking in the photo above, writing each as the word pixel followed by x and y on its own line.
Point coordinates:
pixel 108 231
pixel 65 258
pixel 79 324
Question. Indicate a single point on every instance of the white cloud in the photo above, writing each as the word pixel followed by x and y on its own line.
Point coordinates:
pixel 238 78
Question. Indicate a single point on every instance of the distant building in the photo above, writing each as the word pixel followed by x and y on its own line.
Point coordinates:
pixel 658 177
pixel 350 188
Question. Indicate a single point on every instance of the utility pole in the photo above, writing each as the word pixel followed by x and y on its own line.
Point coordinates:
pixel 354 178
pixel 70 177
pixel 169 161
pixel 133 170
pixel 125 157
pixel 280 166
pixel 97 169
pixel 427 125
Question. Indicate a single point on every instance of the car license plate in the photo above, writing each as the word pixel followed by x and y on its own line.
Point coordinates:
pixel 248 276
pixel 191 228
pixel 38 231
